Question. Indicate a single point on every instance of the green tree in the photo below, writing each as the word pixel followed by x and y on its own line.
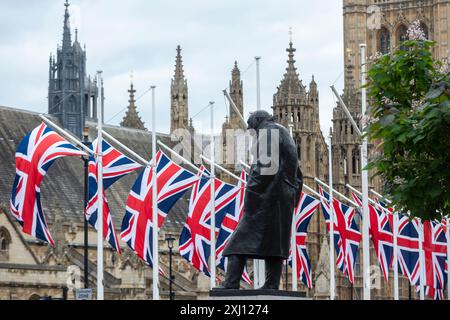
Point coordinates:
pixel 409 116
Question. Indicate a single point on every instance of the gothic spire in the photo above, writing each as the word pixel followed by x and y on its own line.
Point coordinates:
pixel 179 73
pixel 67 41
pixel 236 73
pixel 291 84
pixel 132 118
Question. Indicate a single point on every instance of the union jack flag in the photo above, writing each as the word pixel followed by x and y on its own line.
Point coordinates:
pixel 306 207
pixel 381 235
pixel 137 225
pixel 350 236
pixel 34 156
pixel 326 210
pixel 115 166
pixel 195 238
pixel 229 224
pixel 434 247
pixel 408 248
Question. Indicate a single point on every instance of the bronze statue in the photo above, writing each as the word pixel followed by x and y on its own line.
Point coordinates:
pixel 264 231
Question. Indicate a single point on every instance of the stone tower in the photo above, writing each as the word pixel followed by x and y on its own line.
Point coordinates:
pixel 179 97
pixel 132 118
pixel 72 96
pixel 297 108
pixel 237 95
pixel 383 24
pixel 233 131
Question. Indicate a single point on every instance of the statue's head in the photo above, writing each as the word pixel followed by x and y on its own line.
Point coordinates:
pixel 257 118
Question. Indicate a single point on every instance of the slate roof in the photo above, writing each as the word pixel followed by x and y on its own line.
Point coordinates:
pixel 62 188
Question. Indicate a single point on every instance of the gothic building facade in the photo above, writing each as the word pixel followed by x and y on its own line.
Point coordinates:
pixel 72 95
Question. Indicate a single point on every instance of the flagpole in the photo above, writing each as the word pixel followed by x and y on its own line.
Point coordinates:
pixel 120 144
pixel 394 242
pixel 330 177
pixel 155 204
pixel 66 134
pixel 395 254
pixel 422 262
pixel 336 192
pixel 223 169
pixel 370 200
pixel 100 292
pixel 212 255
pixel 293 239
pixel 258 85
pixel 365 182
pixel 448 257
pixel 186 161
pixel 260 264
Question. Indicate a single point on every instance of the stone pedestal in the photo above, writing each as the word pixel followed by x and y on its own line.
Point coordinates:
pixel 256 295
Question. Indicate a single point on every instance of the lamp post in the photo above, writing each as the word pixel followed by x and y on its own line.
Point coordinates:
pixel 86 195
pixel 170 239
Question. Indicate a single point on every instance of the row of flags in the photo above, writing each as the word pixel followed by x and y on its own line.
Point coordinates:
pixel 42 146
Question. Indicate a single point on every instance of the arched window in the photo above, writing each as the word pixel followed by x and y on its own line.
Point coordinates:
pixel 56 105
pixel 384 41
pixel 424 27
pixel 71 105
pixel 355 161
pixel 34 296
pixel 5 241
pixel 401 35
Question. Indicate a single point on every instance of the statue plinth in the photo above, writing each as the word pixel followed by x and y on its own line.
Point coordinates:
pixel 259 294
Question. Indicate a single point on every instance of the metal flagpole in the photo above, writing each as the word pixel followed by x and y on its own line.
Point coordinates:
pixel 395 254
pixel 365 183
pixel 259 265
pixel 182 159
pixel 120 144
pixel 66 134
pixel 155 204
pixel 236 110
pixel 86 199
pixel 293 240
pixel 370 200
pixel 330 177
pixel 258 85
pixel 394 242
pixel 448 257
pixel 422 262
pixel 100 293
pixel 212 255
pixel 218 166
pixel 336 192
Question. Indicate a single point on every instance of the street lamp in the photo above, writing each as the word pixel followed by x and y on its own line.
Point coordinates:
pixel 170 239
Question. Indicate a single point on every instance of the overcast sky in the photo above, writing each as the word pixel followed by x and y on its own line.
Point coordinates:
pixel 142 36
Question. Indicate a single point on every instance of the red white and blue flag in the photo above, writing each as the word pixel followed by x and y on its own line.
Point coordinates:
pixel 408 248
pixel 115 166
pixel 434 247
pixel 34 156
pixel 195 238
pixel 137 225
pixel 229 224
pixel 380 232
pixel 326 210
pixel 306 207
pixel 350 236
